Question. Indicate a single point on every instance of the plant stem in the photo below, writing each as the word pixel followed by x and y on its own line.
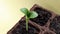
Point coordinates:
pixel 27 23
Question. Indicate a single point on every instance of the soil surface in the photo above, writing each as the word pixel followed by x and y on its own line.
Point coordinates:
pixel 21 29
pixel 55 24
pixel 43 16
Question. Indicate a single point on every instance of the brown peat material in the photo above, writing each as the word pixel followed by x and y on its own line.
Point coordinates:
pixel 39 25
pixel 55 24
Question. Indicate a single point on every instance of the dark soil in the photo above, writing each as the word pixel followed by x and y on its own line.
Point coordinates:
pixel 21 29
pixel 55 24
pixel 43 16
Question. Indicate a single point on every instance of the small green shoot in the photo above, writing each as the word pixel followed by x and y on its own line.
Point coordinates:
pixel 28 15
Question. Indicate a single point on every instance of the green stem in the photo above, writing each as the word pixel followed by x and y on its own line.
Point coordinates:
pixel 27 23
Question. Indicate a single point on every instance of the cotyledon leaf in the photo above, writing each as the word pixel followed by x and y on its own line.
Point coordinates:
pixel 24 10
pixel 33 14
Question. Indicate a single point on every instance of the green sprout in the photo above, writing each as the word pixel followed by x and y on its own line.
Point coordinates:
pixel 28 15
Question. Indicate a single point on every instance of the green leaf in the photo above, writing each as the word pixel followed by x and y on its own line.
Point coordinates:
pixel 29 14
pixel 24 10
pixel 33 14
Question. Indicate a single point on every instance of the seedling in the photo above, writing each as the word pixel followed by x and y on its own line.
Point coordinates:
pixel 28 15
